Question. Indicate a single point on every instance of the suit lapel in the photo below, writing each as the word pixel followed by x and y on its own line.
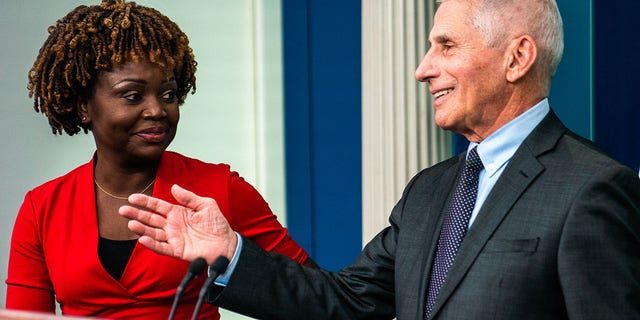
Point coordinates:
pixel 433 223
pixel 521 171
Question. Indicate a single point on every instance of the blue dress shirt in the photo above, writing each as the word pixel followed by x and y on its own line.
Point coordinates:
pixel 496 150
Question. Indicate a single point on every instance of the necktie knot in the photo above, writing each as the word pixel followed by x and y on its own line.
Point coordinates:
pixel 474 162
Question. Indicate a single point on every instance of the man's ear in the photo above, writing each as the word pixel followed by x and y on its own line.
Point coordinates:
pixel 521 55
pixel 83 110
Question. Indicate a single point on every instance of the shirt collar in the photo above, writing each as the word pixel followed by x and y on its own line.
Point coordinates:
pixel 497 149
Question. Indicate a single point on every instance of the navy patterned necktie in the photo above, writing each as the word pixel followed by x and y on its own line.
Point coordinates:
pixel 455 225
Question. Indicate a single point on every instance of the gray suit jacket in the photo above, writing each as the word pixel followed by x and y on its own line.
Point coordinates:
pixel 558 237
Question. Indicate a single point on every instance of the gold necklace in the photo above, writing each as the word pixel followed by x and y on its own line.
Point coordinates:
pixel 120 197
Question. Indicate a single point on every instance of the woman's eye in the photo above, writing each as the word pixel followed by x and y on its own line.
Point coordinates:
pixel 169 96
pixel 133 97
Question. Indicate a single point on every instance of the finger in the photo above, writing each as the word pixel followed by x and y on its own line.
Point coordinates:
pixel 157 246
pixel 149 203
pixel 145 217
pixel 144 230
pixel 190 199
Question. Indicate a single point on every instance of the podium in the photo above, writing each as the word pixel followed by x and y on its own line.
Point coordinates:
pixel 27 315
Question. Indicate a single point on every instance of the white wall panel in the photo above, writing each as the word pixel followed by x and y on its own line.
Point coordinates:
pixel 399 136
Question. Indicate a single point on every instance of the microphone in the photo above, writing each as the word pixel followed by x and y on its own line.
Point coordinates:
pixel 218 267
pixel 195 268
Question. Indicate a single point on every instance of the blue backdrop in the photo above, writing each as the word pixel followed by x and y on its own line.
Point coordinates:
pixel 617 110
pixel 322 127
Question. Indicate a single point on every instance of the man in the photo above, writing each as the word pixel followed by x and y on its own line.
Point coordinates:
pixel 531 223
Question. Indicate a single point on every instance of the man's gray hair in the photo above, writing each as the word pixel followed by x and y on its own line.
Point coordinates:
pixel 500 20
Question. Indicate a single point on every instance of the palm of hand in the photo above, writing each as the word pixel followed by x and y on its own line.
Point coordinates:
pixel 193 228
pixel 200 232
pixel 189 232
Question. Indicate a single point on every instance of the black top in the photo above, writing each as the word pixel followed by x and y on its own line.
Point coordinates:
pixel 114 255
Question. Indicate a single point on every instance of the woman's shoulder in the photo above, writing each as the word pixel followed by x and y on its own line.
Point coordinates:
pixel 69 179
pixel 178 161
pixel 190 172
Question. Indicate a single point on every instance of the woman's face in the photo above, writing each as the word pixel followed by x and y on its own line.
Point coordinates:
pixel 133 112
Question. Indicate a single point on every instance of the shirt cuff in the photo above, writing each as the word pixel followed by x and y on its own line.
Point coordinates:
pixel 223 279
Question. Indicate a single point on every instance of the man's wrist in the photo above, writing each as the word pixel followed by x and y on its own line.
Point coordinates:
pixel 223 279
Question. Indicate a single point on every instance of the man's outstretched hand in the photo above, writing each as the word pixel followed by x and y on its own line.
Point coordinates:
pixel 195 228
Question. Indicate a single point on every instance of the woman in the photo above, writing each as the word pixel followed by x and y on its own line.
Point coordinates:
pixel 120 71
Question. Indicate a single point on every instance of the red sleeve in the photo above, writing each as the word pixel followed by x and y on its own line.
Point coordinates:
pixel 251 216
pixel 28 283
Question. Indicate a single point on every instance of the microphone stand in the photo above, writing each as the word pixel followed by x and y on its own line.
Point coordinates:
pixel 195 268
pixel 218 267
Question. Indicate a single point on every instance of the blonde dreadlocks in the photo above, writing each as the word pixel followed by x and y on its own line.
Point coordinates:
pixel 90 39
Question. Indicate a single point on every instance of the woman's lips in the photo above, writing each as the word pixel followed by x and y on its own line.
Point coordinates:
pixel 153 135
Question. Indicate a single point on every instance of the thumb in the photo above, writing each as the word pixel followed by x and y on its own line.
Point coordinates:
pixel 188 198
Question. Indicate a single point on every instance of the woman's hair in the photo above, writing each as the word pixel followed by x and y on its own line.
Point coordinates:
pixel 90 39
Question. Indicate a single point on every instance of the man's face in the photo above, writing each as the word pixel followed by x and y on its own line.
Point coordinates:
pixel 465 77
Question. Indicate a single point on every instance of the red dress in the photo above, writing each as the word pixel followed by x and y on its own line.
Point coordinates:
pixel 54 245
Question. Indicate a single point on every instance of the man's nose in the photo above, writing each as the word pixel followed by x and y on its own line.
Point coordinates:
pixel 426 69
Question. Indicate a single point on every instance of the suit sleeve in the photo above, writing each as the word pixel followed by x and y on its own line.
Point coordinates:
pixel 599 251
pixel 28 284
pixel 266 285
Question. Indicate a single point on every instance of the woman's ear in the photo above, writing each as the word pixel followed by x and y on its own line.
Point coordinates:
pixel 521 55
pixel 83 111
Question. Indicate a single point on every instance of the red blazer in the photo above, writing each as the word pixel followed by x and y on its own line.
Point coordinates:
pixel 54 245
